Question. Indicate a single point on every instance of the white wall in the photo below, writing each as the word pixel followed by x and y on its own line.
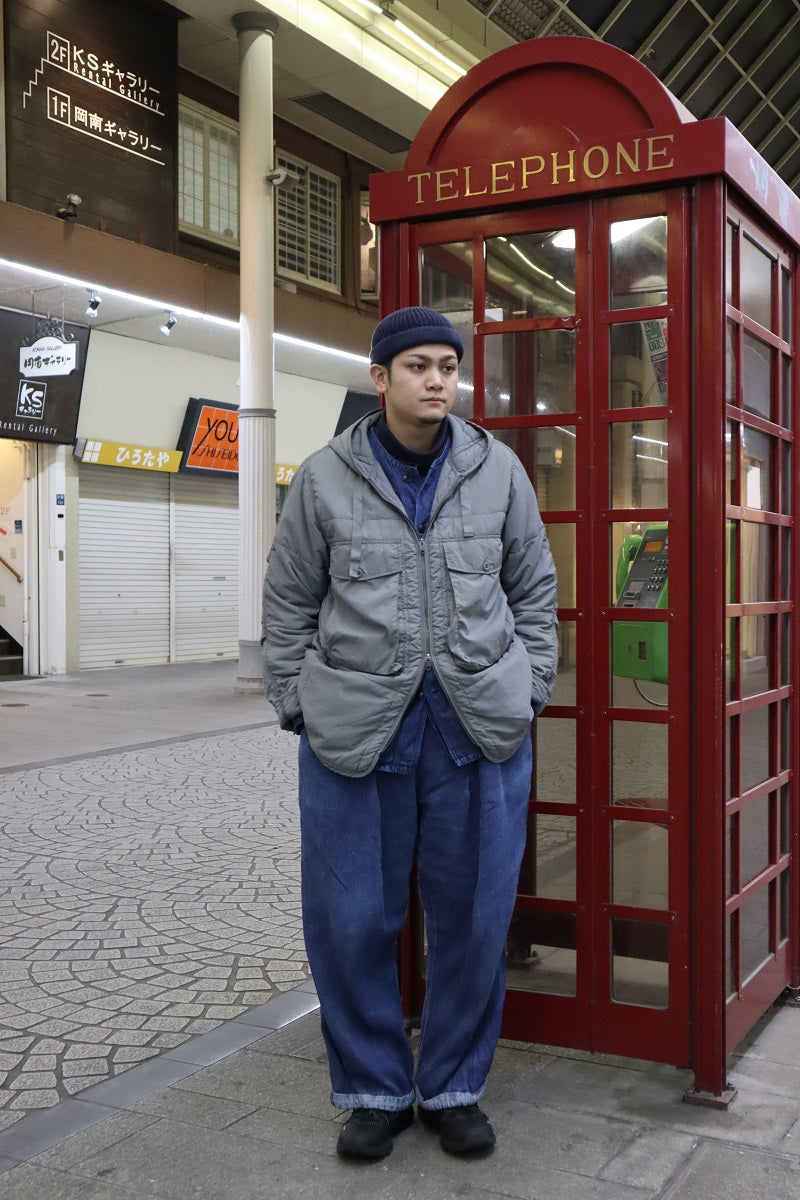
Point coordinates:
pixel 136 393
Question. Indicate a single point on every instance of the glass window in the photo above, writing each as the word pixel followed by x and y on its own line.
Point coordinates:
pixel 548 456
pixel 639 864
pixel 540 952
pixel 640 963
pixel 729 272
pixel 549 865
pixel 639 664
pixel 730 363
pixel 757 383
pixel 754 844
pixel 554 761
pixel 564 690
pixel 755 283
pixel 562 543
pixel 757 544
pixel 638 364
pixel 732 462
pixel 638 262
pixel 755 938
pixel 640 765
pixel 759 463
pixel 754 746
pixel 754 654
pixel 530 275
pixel 786 305
pixel 308 220
pixel 639 462
pixel 528 373
pixel 208 174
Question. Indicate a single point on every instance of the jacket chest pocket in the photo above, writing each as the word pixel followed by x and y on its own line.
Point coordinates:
pixel 360 627
pixel 481 623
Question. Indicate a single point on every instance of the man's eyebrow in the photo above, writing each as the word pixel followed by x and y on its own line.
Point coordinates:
pixel 429 357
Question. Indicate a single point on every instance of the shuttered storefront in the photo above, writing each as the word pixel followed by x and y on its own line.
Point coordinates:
pixel 158 568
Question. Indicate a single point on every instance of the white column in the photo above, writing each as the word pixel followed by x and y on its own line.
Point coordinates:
pixel 256 365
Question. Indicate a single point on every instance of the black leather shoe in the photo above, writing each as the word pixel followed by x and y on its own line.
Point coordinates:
pixel 464 1130
pixel 370 1132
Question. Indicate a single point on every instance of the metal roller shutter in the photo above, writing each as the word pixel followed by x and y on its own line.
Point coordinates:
pixel 124 567
pixel 205 568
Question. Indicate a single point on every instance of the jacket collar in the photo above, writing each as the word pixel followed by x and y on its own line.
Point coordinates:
pixel 470 445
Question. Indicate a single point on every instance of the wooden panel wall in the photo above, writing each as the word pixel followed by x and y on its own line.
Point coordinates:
pixel 91 108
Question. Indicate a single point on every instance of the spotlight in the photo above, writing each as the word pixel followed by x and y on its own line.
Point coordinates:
pixel 169 324
pixel 93 305
pixel 69 211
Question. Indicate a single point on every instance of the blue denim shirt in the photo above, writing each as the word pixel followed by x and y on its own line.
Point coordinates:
pixel 415 489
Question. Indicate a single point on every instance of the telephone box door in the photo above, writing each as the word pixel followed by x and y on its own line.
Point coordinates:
pixel 574 319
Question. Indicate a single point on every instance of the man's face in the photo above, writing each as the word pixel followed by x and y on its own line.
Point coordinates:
pixel 419 390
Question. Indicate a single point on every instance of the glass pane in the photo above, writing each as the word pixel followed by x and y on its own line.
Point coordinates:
pixel 754 924
pixel 731 657
pixel 548 456
pixel 755 652
pixel 530 275
pixel 640 963
pixel 786 306
pixel 786 389
pixel 732 462
pixel 732 855
pixel 786 478
pixel 756 376
pixel 785 818
pixel 638 262
pixel 548 868
pixel 785 746
pixel 755 283
pixel 754 839
pixel 638 364
pixel 540 952
pixel 639 556
pixel 759 454
pixel 785 581
pixel 729 231
pixel 554 757
pixel 446 285
pixel 368 237
pixel 784 894
pixel 757 548
pixel 564 690
pixel 562 545
pixel 639 764
pixel 639 864
pixel 639 658
pixel 785 656
pixel 730 363
pixel 531 372
pixel 638 467
pixel 754 748
pixel 731 942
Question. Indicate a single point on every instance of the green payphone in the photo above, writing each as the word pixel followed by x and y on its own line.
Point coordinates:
pixel 640 647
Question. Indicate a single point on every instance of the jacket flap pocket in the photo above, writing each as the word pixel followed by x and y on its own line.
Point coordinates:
pixel 375 560
pixel 475 556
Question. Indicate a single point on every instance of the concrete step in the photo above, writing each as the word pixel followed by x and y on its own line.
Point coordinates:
pixel 10 664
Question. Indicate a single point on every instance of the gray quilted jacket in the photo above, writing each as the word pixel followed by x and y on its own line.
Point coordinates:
pixel 356 605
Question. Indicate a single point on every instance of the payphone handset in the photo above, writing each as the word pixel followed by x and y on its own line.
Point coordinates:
pixel 640 647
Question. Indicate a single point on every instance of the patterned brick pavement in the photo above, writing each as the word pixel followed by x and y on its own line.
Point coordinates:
pixel 145 896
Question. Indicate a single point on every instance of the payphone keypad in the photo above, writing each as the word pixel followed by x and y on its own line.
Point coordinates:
pixel 648 574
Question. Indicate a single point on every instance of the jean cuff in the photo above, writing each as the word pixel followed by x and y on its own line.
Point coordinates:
pixel 364 1100
pixel 451 1099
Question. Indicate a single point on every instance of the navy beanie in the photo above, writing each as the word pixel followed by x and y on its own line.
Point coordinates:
pixel 412 327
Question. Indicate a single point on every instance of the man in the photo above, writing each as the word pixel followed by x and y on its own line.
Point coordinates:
pixel 410 637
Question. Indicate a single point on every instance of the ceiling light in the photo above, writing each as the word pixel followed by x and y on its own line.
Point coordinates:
pixel 169 324
pixel 94 304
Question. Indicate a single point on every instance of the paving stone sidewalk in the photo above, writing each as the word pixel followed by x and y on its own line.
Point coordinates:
pixel 146 896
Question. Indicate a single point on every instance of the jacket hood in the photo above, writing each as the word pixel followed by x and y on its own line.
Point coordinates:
pixel 469 448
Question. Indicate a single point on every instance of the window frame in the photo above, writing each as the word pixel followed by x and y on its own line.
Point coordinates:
pixel 284 158
pixel 210 117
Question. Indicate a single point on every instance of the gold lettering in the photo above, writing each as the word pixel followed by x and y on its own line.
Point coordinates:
pixel 501 178
pixel 603 158
pixel 526 171
pixel 442 183
pixel 469 191
pixel 622 153
pixel 568 166
pixel 419 178
pixel 654 152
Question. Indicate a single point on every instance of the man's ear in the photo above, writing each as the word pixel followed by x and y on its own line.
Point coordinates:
pixel 380 377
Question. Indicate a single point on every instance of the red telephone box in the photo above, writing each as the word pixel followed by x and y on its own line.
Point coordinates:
pixel 625 280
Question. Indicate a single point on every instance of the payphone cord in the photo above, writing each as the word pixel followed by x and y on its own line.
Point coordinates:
pixel 647 699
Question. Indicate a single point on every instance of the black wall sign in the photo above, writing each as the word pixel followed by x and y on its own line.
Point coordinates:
pixel 37 402
pixel 91 109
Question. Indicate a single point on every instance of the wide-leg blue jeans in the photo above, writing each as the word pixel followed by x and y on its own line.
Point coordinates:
pixel 465 826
